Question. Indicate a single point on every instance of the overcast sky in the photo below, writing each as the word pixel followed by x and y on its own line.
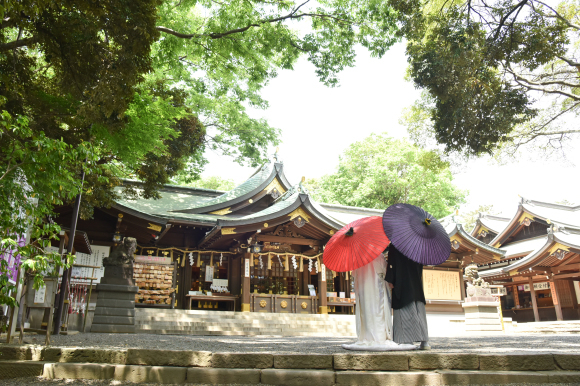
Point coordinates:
pixel 318 123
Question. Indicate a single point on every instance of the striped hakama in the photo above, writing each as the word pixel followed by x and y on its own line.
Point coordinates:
pixel 410 323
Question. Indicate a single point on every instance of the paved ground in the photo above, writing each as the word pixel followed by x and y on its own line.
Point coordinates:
pixel 89 382
pixel 34 381
pixel 497 343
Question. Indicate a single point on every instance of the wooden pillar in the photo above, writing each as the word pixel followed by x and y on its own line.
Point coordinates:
pixel 235 266
pixel 534 301
pixel 516 296
pixel 322 300
pixel 246 261
pixel 556 300
pixel 305 280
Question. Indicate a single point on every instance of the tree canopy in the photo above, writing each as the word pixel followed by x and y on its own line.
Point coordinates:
pixel 484 66
pixel 380 171
pixel 212 182
pixel 140 88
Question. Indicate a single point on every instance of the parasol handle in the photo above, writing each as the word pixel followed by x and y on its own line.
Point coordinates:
pixel 427 221
pixel 350 232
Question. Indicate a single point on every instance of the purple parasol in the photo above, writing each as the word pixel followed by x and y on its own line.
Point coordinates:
pixel 416 234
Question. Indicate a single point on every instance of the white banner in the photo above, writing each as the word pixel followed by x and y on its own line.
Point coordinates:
pixel 538 286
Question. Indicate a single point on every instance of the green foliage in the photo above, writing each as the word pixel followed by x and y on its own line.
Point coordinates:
pixel 468 219
pixel 140 88
pixel 211 182
pixel 380 171
pixel 482 64
pixel 32 181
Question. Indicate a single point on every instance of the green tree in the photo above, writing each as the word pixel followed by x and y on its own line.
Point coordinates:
pixel 482 64
pixel 34 163
pixel 468 219
pixel 140 88
pixel 152 83
pixel 380 171
pixel 213 182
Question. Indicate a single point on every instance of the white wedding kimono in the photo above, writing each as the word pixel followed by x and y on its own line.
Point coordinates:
pixel 374 326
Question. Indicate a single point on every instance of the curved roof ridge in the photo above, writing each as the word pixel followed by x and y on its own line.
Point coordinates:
pixel 530 256
pixel 493 217
pixel 263 176
pixel 453 227
pixel 551 205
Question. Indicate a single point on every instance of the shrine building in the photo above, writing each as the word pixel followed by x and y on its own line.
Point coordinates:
pixel 256 248
pixel 540 269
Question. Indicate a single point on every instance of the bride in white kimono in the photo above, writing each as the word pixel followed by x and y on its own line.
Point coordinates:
pixel 374 326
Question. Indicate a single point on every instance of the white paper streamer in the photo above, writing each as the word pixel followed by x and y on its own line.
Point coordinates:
pixel 191 258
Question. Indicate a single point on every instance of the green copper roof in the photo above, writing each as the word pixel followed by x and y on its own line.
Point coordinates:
pixel 246 187
pixel 286 201
pixel 169 201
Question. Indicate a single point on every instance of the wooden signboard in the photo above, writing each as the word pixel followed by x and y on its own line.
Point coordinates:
pixel 153 259
pixel 441 285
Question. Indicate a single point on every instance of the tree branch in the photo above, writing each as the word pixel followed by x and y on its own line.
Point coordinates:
pixel 539 86
pixel 18 43
pixel 505 17
pixel 566 21
pixel 219 35
pixel 570 62
pixel 548 133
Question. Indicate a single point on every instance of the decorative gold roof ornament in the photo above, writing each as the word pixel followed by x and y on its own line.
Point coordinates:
pixel 560 254
pixel 455 244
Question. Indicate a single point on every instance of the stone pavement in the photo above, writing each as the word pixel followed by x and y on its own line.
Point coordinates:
pixel 492 343
pixel 163 359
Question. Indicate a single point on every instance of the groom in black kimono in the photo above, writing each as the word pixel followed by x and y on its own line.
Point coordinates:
pixel 405 277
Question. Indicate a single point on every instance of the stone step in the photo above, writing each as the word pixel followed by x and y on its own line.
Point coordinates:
pixel 196 322
pixel 202 322
pixel 343 369
pixel 257 330
pixel 248 315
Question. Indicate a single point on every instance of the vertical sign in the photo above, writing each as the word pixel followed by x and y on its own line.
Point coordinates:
pixel 554 294
pixel 39 295
pixel 209 273
pixel 247 268
pixel 323 271
pixel 516 296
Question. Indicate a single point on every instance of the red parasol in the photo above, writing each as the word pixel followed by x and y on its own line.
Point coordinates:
pixel 355 245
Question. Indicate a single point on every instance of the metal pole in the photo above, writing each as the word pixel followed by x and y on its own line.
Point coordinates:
pixel 65 274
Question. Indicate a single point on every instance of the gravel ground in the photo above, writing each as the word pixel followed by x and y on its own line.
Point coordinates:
pixel 520 343
pixel 33 381
pixel 90 382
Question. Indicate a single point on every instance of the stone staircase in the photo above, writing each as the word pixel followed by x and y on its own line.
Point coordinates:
pixel 564 327
pixel 194 322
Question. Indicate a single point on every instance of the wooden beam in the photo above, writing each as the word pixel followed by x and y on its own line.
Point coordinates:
pixel 570 267
pixel 288 240
pixel 566 275
pixel 163 233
